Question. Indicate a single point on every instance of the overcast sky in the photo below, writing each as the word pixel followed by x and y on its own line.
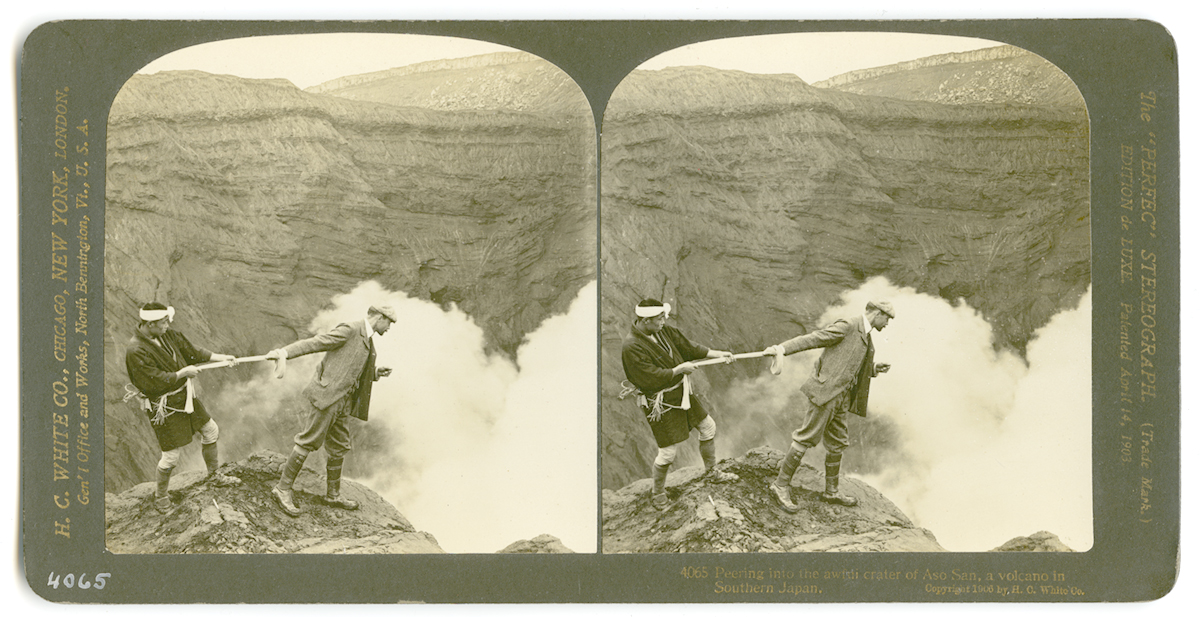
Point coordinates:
pixel 310 59
pixel 813 56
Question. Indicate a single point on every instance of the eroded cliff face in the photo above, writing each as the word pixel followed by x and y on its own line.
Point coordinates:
pixel 249 204
pixel 751 202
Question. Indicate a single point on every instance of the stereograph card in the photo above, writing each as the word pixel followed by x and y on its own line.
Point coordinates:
pixel 599 311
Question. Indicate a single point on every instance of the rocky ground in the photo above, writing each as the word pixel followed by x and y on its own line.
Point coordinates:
pixel 740 516
pixel 706 516
pixel 245 519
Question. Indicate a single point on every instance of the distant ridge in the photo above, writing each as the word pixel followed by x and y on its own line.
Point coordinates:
pixel 470 62
pixel 507 81
pixel 996 75
pixel 999 52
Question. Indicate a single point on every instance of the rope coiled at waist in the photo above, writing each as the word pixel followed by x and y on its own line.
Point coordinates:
pixel 658 407
pixel 159 406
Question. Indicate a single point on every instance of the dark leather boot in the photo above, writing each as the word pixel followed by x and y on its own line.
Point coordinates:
pixel 781 488
pixel 333 492
pixel 783 497
pixel 282 491
pixel 789 465
pixel 833 466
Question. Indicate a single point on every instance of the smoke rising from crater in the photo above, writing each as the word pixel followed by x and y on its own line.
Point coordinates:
pixel 476 449
pixel 977 445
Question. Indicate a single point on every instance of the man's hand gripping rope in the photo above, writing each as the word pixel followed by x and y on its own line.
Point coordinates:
pixel 223 361
pixel 776 367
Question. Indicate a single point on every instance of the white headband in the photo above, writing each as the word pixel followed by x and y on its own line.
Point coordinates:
pixel 653 311
pixel 155 315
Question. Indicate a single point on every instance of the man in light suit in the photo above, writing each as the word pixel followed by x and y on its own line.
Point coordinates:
pixel 341 387
pixel 840 383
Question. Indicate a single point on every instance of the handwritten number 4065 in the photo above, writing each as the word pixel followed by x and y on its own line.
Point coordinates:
pixel 69 581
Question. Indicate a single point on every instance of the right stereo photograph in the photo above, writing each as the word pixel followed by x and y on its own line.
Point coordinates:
pixel 845 299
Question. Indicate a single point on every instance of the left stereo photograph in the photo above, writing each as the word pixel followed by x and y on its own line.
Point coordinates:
pixel 349 296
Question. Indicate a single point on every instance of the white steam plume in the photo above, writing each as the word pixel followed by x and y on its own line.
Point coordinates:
pixel 989 447
pixel 475 449
pixel 534 470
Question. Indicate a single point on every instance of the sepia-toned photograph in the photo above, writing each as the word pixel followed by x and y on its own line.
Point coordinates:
pixel 349 287
pixel 584 312
pixel 846 300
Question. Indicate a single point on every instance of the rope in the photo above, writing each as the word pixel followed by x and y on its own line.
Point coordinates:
pixel 160 408
pixel 280 364
pixel 743 356
pixel 224 363
pixel 659 407
pixel 736 356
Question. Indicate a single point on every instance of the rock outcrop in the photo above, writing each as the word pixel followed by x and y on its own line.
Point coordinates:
pixel 741 516
pixel 245 519
pixel 752 202
pixel 249 204
pixel 1040 542
pixel 544 543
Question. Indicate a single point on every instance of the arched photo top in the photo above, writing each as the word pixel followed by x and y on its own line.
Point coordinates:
pixel 273 190
pixel 768 188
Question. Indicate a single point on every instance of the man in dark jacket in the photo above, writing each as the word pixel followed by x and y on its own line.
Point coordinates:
pixel 341 387
pixel 840 383
pixel 657 360
pixel 160 363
